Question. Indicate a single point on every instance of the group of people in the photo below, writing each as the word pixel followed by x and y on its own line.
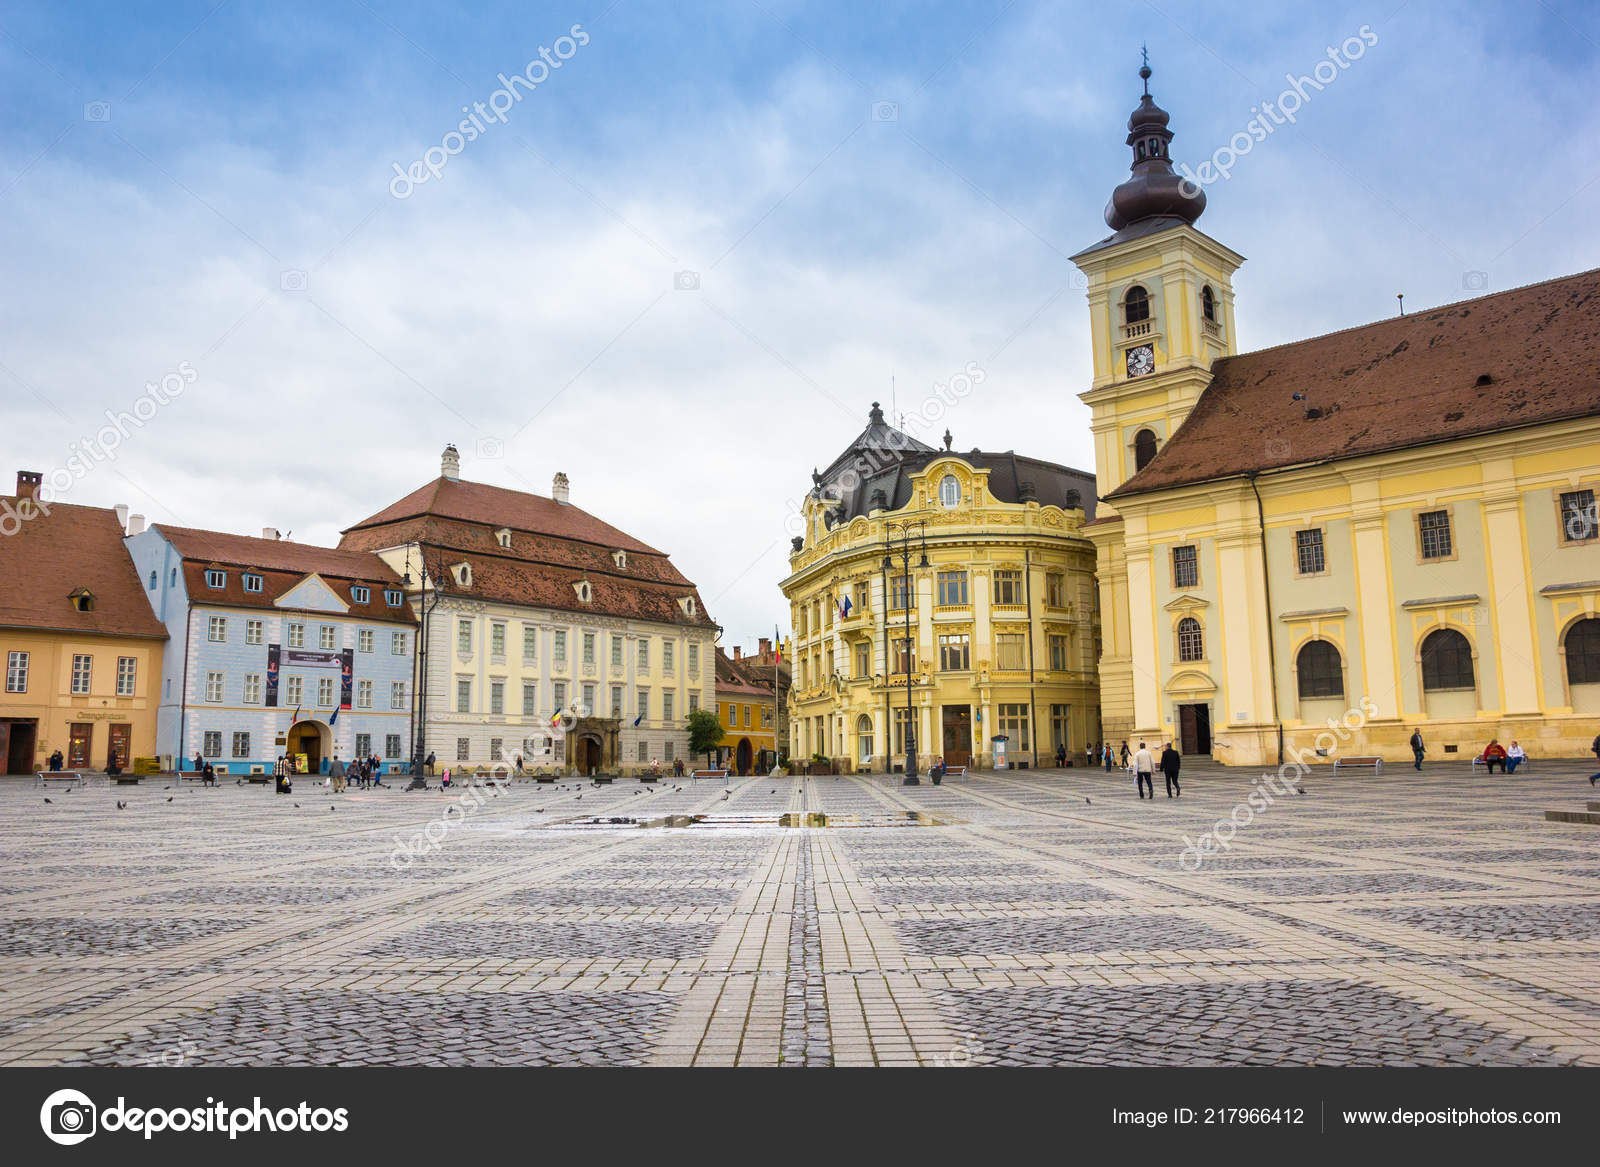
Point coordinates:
pixel 1141 763
pixel 364 772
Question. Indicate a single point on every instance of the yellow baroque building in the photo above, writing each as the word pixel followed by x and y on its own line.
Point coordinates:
pixel 1391 527
pixel 984 555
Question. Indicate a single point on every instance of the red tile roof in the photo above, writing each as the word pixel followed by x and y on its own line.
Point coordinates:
pixel 277 555
pixel 49 556
pixel 553 546
pixel 282 565
pixel 1408 381
pixel 476 502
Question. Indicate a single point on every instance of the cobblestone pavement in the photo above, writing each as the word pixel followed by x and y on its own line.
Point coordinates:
pixel 1028 918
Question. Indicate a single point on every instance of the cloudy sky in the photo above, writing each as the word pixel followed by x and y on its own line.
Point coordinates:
pixel 863 195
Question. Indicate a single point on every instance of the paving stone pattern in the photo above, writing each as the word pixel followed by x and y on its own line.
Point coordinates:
pixel 1052 919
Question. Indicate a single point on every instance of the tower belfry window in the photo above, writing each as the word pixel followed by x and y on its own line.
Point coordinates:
pixel 1208 304
pixel 1136 305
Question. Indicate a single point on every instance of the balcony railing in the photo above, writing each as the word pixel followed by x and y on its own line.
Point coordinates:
pixel 1137 329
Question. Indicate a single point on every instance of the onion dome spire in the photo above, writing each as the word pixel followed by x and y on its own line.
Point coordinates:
pixel 1154 190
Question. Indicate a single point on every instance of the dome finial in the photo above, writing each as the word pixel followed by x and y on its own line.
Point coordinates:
pixel 1144 68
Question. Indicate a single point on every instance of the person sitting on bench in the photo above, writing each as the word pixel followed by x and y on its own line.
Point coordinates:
pixel 1515 756
pixel 208 775
pixel 1494 754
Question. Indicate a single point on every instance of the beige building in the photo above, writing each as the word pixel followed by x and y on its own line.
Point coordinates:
pixel 983 556
pixel 537 609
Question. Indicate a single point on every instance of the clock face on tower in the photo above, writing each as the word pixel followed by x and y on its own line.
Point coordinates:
pixel 1141 360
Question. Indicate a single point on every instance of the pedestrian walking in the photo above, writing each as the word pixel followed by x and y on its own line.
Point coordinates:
pixel 281 771
pixel 1144 768
pixel 1105 752
pixel 1170 762
pixel 429 763
pixel 336 775
pixel 199 763
pixel 1061 755
pixel 1418 749
pixel 1126 754
pixel 1595 746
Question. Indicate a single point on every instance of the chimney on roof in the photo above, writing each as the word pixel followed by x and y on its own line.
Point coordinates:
pixel 28 483
pixel 135 524
pixel 766 646
pixel 450 464
pixel 560 488
pixel 270 533
pixel 736 652
pixel 122 515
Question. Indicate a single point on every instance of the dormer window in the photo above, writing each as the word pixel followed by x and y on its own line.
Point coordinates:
pixel 252 582
pixel 215 578
pixel 620 558
pixel 1135 305
pixel 585 592
pixel 949 491
pixel 153 578
pixel 82 600
pixel 462 574
pixel 503 536
pixel 688 605
pixel 392 597
pixel 1208 304
pixel 361 595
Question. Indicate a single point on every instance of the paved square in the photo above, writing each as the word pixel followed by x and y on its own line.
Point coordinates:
pixel 1051 918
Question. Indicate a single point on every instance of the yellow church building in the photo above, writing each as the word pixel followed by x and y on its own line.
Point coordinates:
pixel 940 601
pixel 1323 546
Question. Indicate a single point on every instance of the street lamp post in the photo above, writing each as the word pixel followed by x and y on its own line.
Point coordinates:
pixel 902 533
pixel 424 607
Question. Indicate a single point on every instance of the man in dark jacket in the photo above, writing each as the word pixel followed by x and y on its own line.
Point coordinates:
pixel 1595 746
pixel 1170 760
pixel 1416 748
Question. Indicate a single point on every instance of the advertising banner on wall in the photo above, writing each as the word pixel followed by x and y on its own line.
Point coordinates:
pixel 273 665
pixel 347 668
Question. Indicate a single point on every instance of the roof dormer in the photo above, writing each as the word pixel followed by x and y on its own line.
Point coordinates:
pixel 584 589
pixel 503 537
pixel 82 599
pixel 690 608
pixel 462 574
pixel 620 558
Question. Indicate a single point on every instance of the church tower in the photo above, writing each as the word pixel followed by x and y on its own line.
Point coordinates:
pixel 1160 312
pixel 1160 303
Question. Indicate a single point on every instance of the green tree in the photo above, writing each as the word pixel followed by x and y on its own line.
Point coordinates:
pixel 705 731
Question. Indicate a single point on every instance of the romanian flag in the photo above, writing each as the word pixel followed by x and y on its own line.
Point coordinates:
pixel 555 722
pixel 777 646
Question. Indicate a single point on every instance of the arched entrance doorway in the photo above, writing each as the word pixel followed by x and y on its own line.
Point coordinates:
pixel 312 739
pixel 591 756
pixel 742 756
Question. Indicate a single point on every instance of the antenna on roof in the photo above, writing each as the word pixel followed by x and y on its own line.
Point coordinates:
pixel 894 406
pixel 1401 296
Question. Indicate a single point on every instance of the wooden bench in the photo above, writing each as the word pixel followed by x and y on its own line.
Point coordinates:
pixel 65 777
pixel 1375 763
pixel 955 771
pixel 198 775
pixel 723 774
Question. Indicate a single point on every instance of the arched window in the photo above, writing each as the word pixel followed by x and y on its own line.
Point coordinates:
pixel 1191 641
pixel 1446 660
pixel 1208 304
pixel 1144 448
pixel 949 491
pixel 864 738
pixel 1318 667
pixel 1135 305
pixel 1583 652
